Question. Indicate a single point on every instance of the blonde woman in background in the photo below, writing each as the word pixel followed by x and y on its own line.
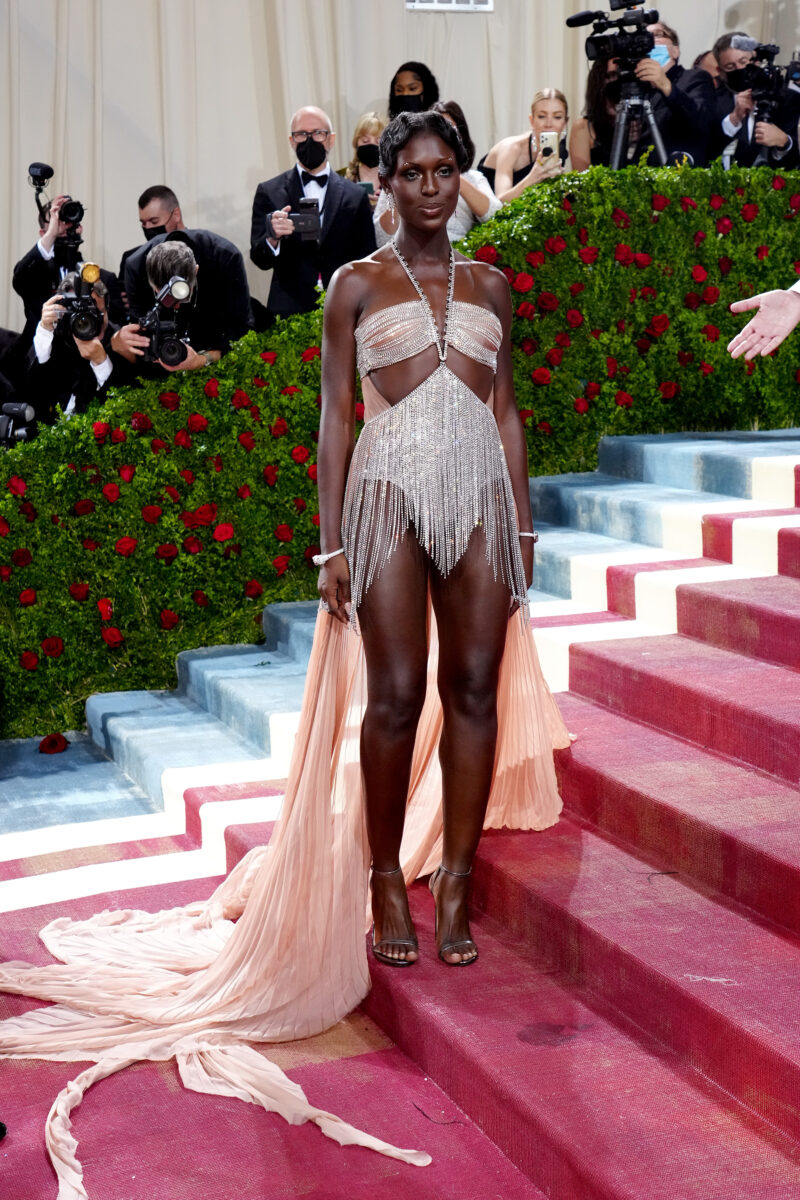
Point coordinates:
pixel 517 163
pixel 363 166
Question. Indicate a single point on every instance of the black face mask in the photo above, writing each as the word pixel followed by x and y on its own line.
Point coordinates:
pixel 154 231
pixel 415 103
pixel 369 155
pixel 311 154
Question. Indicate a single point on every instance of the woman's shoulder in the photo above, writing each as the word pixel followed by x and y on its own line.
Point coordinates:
pixel 505 147
pixel 354 279
pixel 489 287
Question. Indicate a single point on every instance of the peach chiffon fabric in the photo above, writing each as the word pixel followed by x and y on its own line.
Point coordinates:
pixel 278 951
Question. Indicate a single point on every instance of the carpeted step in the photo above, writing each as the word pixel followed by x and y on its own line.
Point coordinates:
pixel 724 825
pixel 573 562
pixel 722 701
pixel 589 1107
pixel 750 540
pixel 789 552
pixel 756 617
pixel 747 465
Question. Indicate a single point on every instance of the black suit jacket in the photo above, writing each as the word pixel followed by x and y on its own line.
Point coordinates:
pixel 66 374
pixel 347 234
pixel 35 279
pixel 220 312
pixel 747 151
pixel 685 118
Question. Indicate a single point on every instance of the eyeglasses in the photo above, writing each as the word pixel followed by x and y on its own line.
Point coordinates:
pixel 302 135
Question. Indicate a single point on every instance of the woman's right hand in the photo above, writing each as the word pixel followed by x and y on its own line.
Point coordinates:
pixel 544 168
pixel 334 588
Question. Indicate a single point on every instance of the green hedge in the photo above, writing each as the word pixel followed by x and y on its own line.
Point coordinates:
pixel 169 518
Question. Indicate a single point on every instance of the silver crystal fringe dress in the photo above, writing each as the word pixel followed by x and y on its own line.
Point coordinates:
pixel 278 951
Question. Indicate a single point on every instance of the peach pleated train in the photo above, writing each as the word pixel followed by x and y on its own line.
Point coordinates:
pixel 278 952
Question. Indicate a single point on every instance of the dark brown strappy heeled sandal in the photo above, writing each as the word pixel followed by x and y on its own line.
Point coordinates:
pixel 407 943
pixel 456 946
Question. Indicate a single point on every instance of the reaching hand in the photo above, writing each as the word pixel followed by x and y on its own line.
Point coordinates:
pixel 94 350
pixel 334 588
pixel 770 135
pixel 777 313
pixel 650 71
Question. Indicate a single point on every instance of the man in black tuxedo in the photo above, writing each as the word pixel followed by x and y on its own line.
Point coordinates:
pixel 346 231
pixel 739 136
pixel 682 100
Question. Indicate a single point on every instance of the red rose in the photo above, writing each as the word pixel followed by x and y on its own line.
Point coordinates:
pixel 300 454
pixel 271 474
pixel 268 356
pixel 22 557
pixel 762 252
pixel 259 382
pixel 182 438
pixel 545 427
pixel 169 619
pixel 724 225
pixel 509 274
pixel 54 743
pixel 706 368
pixel 89 544
pixel 279 428
pixel 29 660
pixel 711 295
pixel 575 289
pixel 574 318
pixel 749 212
pixel 522 282
pixel 196 422
pixel 687 202
pixel 212 388
pixel 188 476
pixel 528 346
pixel 555 356
pixel 101 430
pixel 699 274
pixel 563 339
pixel 778 183
pixel 5 574
pixel 315 520
pixel 253 589
pixel 158 444
pixel 535 258
pixel 716 201
pixel 643 344
pixel 28 511
pixel 82 508
pixel 580 405
pixel 724 265
pixel 223 532
pixel 611 367
pixel 140 422
pixel 555 245
pixel 127 473
pixel 359 411
pixel 192 544
pixel 79 591
pixel 620 218
pixel 118 435
pixel 750 366
pixel 53 647
pixel 547 302
pixel 126 546
pixel 169 400
pixel 641 260
pixel 794 202
pixel 487 254
pixel 105 608
pixel 151 513
pixel 592 390
pixel 623 254
pixel 281 563
pixel 111 492
pixel 240 399
pixel 685 357
pixel 167 551
pixel 300 504
pixel 668 389
pixel 312 472
pixel 4 527
pixel 311 353
pixel 711 332
pixel 659 323
pixel 27 597
pixel 290 391
pixel 588 254
pixel 541 376
pixel 526 310
pixel 648 293
pixel 206 514
pixel 284 533
pixel 112 636
pixel 244 491
pixel 623 399
pixel 200 598
pixel 660 202
pixel 699 238
pixel 247 440
pixel 173 493
pixel 692 300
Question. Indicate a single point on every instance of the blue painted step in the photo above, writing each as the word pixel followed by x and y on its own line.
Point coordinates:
pixel 559 546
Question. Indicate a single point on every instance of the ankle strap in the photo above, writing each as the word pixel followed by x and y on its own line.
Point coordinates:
pixel 394 871
pixel 457 874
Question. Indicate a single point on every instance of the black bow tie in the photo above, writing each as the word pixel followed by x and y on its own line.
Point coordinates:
pixel 320 179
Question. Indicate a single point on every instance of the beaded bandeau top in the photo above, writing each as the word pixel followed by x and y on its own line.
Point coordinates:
pixel 400 331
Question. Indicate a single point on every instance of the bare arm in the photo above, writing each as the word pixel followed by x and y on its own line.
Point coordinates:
pixel 580 145
pixel 777 313
pixel 477 200
pixel 542 168
pixel 337 432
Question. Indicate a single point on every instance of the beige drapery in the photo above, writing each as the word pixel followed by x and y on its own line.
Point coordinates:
pixel 198 94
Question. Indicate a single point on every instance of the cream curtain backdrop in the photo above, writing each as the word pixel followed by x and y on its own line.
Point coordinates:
pixel 199 94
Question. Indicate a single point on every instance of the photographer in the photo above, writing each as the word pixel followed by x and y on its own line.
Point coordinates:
pixel 753 129
pixel 71 363
pixel 216 311
pixel 339 225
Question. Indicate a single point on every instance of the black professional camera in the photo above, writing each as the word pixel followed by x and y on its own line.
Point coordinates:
pixel 16 423
pixel 71 213
pixel 160 324
pixel 761 75
pixel 307 221
pixel 82 318
pixel 629 40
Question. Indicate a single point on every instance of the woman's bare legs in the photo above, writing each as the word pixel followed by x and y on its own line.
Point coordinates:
pixel 472 613
pixel 393 621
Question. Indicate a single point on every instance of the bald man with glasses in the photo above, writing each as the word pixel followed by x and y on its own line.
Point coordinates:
pixel 346 232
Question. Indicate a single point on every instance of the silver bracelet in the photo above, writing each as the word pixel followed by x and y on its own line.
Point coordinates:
pixel 319 560
pixel 524 533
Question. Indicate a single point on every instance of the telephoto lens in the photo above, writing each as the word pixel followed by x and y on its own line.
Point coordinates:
pixel 71 212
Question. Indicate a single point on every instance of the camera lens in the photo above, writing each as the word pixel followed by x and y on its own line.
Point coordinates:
pixel 86 325
pixel 72 212
pixel 173 351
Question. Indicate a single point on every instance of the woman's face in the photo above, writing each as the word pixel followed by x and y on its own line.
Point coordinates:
pixel 548 114
pixel 425 182
pixel 368 139
pixel 408 84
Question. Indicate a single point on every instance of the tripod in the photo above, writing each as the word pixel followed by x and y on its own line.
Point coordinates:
pixel 634 104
